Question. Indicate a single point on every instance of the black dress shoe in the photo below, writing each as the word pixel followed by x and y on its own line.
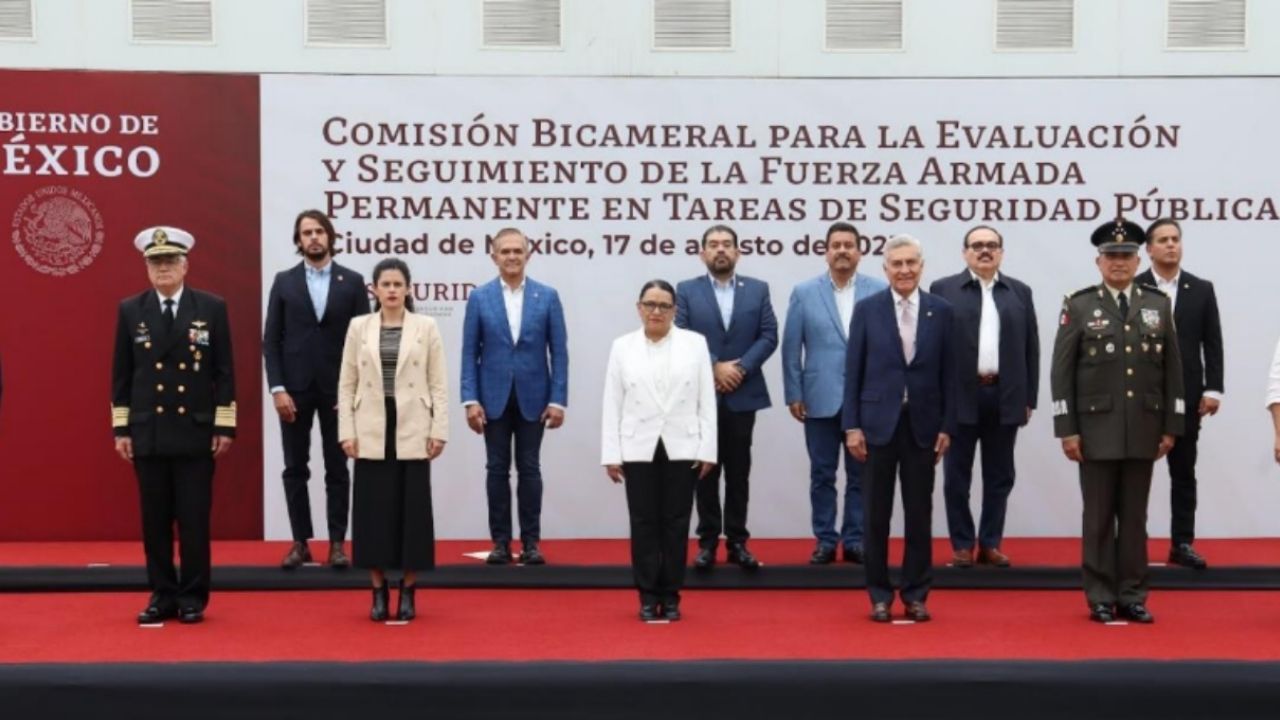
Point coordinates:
pixel 1186 556
pixel 880 612
pixel 853 554
pixel 378 613
pixel 822 556
pixel 530 555
pixel 405 609
pixel 1137 612
pixel 742 557
pixel 705 558
pixel 918 612
pixel 649 612
pixel 499 555
pixel 190 615
pixel 155 613
pixel 671 610
pixel 298 554
pixel 1101 612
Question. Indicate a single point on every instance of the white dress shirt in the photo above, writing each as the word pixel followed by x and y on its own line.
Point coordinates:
pixel 660 365
pixel 514 300
pixel 844 301
pixel 176 298
pixel 724 297
pixel 1168 287
pixel 988 328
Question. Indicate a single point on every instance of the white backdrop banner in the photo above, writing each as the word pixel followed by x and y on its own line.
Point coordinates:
pixel 615 179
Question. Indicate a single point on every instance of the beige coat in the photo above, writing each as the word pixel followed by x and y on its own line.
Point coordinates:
pixel 422 401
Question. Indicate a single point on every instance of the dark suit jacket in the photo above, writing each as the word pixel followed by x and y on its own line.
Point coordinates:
pixel 301 352
pixel 1019 345
pixel 751 337
pixel 1199 335
pixel 877 373
pixel 171 392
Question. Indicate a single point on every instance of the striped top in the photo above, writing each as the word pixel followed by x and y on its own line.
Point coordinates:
pixel 389 349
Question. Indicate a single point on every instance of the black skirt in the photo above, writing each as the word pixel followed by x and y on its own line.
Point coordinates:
pixel 391 523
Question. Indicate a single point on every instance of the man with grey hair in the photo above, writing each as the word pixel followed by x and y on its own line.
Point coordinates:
pixel 899 417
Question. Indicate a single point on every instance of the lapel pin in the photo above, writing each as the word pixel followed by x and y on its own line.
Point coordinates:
pixel 339 278
pixel 1186 286
pixel 929 314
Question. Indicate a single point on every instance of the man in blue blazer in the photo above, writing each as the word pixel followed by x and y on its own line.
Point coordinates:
pixel 308 310
pixel 899 415
pixel 814 341
pixel 997 356
pixel 515 383
pixel 734 314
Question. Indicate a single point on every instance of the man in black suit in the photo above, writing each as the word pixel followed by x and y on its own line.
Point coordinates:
pixel 997 356
pixel 173 413
pixel 308 310
pixel 1195 314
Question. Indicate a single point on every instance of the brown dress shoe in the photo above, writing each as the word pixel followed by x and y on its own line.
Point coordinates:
pixel 993 556
pixel 298 554
pixel 962 558
pixel 338 556
pixel 918 612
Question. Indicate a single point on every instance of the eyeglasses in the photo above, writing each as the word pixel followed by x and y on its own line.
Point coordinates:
pixel 657 307
pixel 991 245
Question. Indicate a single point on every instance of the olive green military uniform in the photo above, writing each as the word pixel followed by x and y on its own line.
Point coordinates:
pixel 1117 384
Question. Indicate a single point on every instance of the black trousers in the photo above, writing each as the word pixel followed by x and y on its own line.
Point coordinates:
pixel 1182 479
pixel 392 524
pixel 734 432
pixel 998 474
pixel 500 434
pixel 884 464
pixel 176 489
pixel 296 438
pixel 660 502
pixel 1114 530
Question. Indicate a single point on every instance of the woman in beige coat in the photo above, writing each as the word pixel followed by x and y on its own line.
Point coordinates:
pixel 393 420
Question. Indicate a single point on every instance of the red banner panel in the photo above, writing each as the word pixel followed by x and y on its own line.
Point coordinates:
pixel 88 160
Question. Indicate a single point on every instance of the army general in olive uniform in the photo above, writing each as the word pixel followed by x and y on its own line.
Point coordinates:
pixel 1117 405
pixel 173 412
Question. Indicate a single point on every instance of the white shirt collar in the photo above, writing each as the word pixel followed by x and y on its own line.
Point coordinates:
pixel 176 297
pixel 322 270
pixel 847 286
pixel 512 290
pixel 978 279
pixel 913 299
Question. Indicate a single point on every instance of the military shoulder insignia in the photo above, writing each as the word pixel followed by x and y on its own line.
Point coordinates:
pixel 1082 291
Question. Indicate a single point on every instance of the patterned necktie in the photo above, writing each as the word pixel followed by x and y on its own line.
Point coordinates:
pixel 168 314
pixel 1124 306
pixel 907 328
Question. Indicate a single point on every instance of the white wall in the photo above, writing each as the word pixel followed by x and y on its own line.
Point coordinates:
pixel 772 38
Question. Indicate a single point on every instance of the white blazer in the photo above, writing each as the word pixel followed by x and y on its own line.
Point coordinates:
pixel 422 400
pixel 635 417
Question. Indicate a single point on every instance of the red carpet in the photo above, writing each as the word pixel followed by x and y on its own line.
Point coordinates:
pixel 1024 551
pixel 459 625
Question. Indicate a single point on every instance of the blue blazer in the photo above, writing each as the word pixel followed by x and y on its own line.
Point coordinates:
pixel 814 343
pixel 751 337
pixel 1019 382
pixel 535 366
pixel 299 350
pixel 877 373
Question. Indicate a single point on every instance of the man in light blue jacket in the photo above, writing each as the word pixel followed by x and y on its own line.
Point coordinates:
pixel 515 382
pixel 813 361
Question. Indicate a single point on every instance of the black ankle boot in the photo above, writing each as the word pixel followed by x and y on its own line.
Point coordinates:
pixel 378 612
pixel 406 611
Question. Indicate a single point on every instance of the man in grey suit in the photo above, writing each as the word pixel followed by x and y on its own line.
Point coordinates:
pixel 814 340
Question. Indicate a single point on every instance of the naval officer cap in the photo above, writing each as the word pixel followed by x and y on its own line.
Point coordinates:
pixel 163 240
pixel 1118 236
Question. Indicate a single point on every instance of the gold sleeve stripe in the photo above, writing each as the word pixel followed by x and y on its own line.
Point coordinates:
pixel 225 416
pixel 119 416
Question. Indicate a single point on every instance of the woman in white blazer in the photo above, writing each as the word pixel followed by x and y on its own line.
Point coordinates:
pixel 658 437
pixel 393 419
